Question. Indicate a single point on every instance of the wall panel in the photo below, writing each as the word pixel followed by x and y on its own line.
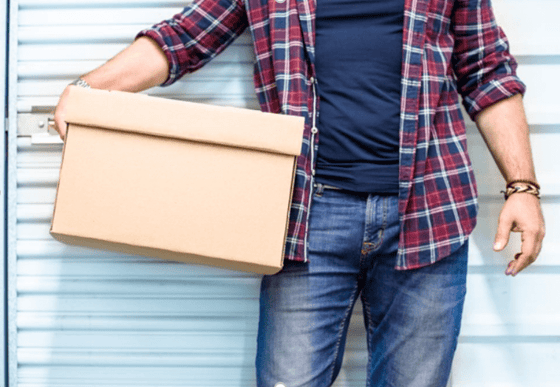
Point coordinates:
pixel 511 327
pixel 91 318
pixel 81 317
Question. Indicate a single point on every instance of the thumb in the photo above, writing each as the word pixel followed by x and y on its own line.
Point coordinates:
pixel 502 235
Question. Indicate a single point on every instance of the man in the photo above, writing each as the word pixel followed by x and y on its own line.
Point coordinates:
pixel 385 198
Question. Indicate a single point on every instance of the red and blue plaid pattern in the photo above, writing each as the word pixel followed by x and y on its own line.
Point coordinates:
pixel 450 47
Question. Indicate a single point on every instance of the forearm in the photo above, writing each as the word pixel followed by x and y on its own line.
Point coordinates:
pixel 138 67
pixel 506 133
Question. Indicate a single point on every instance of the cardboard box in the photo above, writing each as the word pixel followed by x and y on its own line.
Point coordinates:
pixel 177 180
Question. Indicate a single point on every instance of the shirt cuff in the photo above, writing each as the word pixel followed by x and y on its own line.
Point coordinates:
pixel 173 66
pixel 492 92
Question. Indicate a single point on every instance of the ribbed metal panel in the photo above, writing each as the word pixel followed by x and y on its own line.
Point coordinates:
pixel 511 327
pixel 3 118
pixel 81 317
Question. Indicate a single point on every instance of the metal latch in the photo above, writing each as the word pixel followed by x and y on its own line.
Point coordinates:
pixel 39 126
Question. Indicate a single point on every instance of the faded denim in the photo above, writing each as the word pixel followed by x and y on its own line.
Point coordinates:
pixel 412 318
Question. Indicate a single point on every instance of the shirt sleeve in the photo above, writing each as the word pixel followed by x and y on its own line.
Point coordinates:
pixel 485 69
pixel 191 38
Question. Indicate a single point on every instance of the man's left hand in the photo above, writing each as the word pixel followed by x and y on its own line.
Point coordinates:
pixel 521 213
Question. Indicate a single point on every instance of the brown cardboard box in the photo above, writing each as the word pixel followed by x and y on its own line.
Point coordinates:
pixel 176 180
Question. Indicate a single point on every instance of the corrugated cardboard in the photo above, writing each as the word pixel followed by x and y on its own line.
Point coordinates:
pixel 176 180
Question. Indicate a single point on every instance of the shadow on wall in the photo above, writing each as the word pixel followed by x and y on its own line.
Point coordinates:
pixel 498 323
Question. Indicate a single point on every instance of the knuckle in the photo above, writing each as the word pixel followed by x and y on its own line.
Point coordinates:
pixel 533 230
pixel 529 258
pixel 504 217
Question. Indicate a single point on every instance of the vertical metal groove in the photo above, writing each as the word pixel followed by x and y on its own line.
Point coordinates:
pixel 12 196
pixel 91 318
pixel 4 7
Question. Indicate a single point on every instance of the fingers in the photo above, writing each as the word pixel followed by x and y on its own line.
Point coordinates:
pixel 521 213
pixel 502 235
pixel 59 124
pixel 531 244
pixel 59 115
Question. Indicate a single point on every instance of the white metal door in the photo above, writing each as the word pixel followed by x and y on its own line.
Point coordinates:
pixel 3 260
pixel 511 326
pixel 85 318
pixel 88 318
pixel 79 317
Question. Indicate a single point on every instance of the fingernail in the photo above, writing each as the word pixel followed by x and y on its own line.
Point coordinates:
pixel 509 269
pixel 497 246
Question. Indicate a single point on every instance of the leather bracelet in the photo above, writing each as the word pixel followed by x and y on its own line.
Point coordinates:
pixel 519 186
pixel 511 183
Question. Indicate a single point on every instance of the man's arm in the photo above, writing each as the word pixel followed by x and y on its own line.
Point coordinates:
pixel 168 50
pixel 506 132
pixel 138 67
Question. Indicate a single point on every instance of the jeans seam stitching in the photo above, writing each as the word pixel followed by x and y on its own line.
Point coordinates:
pixel 385 212
pixel 366 246
pixel 381 233
pixel 370 324
pixel 341 329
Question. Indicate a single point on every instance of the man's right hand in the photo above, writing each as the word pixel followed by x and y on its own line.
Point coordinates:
pixel 60 124
pixel 138 67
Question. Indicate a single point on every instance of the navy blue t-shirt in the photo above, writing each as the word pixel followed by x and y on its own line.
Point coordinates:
pixel 358 65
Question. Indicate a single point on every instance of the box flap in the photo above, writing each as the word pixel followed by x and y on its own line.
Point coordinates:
pixel 190 121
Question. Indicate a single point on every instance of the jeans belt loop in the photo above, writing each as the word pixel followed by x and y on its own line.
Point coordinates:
pixel 319 188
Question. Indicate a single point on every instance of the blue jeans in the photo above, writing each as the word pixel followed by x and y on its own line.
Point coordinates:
pixel 412 317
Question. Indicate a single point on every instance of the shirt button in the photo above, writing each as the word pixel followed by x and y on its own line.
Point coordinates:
pixel 280 1
pixel 314 130
pixel 312 79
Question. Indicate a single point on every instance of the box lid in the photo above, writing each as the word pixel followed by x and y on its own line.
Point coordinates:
pixel 228 126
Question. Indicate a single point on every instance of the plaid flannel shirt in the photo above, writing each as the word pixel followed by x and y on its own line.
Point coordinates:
pixel 450 47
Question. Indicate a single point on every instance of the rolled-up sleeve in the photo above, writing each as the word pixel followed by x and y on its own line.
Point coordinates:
pixel 194 36
pixel 485 69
